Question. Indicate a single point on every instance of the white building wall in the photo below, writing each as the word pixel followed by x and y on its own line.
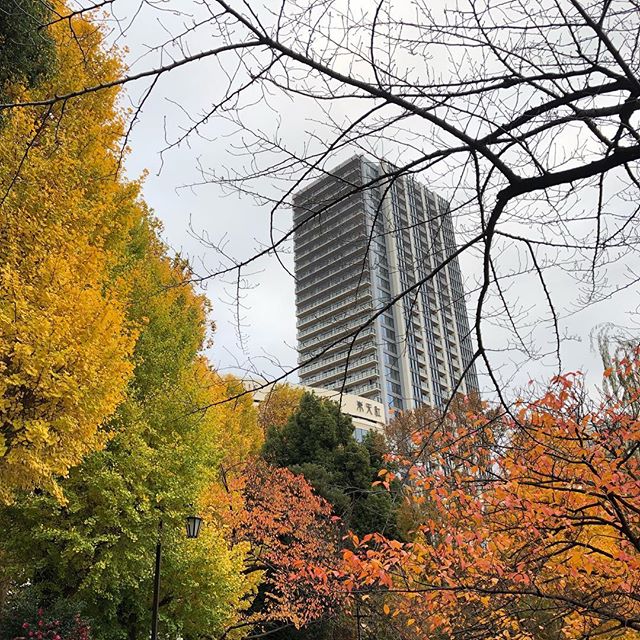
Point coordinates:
pixel 366 414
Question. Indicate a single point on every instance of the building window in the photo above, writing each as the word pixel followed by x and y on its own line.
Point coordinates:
pixel 392 373
pixel 387 320
pixel 392 387
pixel 359 434
pixel 391 347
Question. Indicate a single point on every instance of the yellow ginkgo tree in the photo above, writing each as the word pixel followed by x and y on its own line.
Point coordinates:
pixel 65 344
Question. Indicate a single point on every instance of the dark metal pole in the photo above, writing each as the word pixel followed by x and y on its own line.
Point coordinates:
pixel 156 586
pixel 358 628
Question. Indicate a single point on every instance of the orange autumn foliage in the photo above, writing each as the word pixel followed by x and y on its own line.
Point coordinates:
pixel 292 540
pixel 533 525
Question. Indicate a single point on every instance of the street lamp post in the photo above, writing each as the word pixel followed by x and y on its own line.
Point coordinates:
pixel 193 529
pixel 193 526
pixel 156 585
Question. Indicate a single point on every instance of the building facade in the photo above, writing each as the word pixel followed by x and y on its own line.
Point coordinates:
pixel 366 414
pixel 360 241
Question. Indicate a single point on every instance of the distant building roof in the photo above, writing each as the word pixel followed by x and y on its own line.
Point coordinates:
pixel 365 413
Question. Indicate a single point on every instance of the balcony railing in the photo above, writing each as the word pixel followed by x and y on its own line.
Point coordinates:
pixel 353 364
pixel 346 328
pixel 343 317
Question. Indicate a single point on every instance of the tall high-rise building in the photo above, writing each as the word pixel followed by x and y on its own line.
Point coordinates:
pixel 367 245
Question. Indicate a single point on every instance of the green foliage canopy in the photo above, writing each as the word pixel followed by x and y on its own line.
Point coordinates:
pixel 27 51
pixel 318 442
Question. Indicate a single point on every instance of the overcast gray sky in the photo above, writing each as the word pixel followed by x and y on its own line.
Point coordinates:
pixel 268 307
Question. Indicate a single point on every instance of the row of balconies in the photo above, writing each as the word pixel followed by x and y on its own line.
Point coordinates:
pixel 333 183
pixel 321 226
pixel 331 333
pixel 319 242
pixel 329 256
pixel 318 315
pixel 308 353
pixel 322 300
pixel 353 365
pixel 326 268
pixel 330 359
pixel 358 280
pixel 364 311
pixel 342 211
pixel 326 381
pixel 343 271
pixel 365 388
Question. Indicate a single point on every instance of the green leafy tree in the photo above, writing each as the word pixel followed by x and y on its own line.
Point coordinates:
pixel 95 550
pixel 27 51
pixel 104 388
pixel 317 441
